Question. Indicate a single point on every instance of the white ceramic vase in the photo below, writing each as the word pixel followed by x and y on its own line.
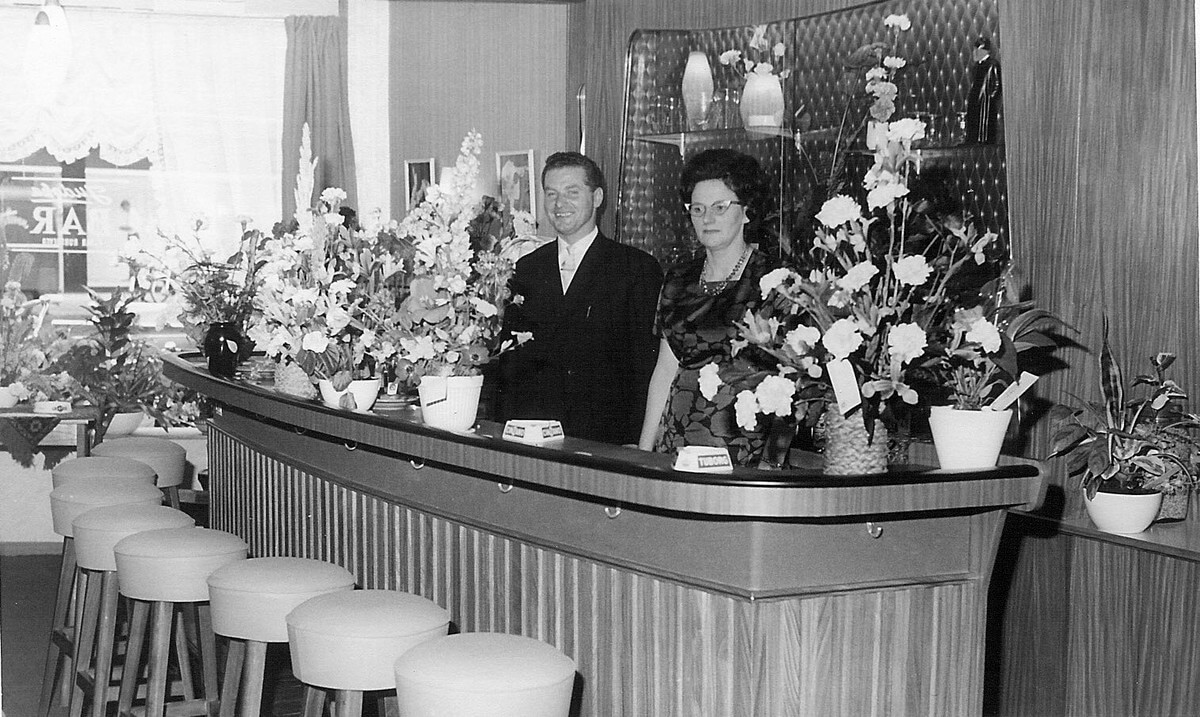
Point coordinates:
pixel 967 439
pixel 364 391
pixel 450 402
pixel 7 399
pixel 1123 513
pixel 125 423
pixel 762 102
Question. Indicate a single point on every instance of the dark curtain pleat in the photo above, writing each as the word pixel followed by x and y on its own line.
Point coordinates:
pixel 315 92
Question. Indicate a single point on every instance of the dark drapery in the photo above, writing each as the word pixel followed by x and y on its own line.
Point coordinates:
pixel 315 91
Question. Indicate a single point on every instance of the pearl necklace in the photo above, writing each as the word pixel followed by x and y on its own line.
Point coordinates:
pixel 716 287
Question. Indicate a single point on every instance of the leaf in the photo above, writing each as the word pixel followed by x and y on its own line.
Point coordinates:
pixel 1111 382
pixel 1067 438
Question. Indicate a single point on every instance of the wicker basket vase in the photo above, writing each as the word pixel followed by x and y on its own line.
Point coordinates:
pixel 848 450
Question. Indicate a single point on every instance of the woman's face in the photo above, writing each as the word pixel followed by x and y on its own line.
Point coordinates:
pixel 717 232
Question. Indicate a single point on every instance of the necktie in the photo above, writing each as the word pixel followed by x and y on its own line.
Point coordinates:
pixel 566 267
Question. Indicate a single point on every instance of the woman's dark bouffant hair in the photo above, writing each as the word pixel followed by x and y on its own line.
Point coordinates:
pixel 740 172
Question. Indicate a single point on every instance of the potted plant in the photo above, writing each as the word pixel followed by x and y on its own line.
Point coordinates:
pixel 1129 452
pixel 976 361
pixel 110 368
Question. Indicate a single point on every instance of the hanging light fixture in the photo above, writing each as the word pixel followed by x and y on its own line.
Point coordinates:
pixel 47 53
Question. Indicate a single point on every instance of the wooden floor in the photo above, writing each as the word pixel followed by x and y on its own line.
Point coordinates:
pixel 26 603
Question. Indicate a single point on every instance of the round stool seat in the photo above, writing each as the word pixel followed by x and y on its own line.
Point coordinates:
pixel 484 674
pixel 99 530
pixel 350 640
pixel 166 457
pixel 79 495
pixel 100 467
pixel 173 564
pixel 250 599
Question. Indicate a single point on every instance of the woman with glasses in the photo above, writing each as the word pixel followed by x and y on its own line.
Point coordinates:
pixel 699 305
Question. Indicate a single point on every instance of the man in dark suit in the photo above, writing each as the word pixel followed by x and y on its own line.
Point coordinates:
pixel 590 303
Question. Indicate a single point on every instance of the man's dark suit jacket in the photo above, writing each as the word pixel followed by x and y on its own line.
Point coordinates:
pixel 593 350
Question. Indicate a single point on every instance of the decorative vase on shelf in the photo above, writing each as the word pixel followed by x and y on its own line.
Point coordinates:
pixel 223 346
pixel 761 105
pixel 7 398
pixel 966 439
pixel 360 395
pixel 849 450
pixel 1123 512
pixel 450 402
pixel 697 90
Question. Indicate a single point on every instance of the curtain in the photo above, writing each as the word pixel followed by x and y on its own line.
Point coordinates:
pixel 315 94
pixel 199 97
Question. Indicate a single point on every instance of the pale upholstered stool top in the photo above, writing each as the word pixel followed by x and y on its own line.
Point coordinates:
pixel 484 674
pixel 173 565
pixel 79 495
pixel 350 640
pixel 250 599
pixel 99 468
pixel 99 530
pixel 166 457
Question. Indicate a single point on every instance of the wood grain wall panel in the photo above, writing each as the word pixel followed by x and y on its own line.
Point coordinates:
pixel 644 645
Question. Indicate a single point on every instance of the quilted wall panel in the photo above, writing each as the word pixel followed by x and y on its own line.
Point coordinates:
pixel 934 87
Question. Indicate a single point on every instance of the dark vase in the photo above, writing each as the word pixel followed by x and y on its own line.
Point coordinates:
pixel 223 345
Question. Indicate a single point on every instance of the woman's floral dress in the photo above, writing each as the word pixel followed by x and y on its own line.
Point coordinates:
pixel 698 323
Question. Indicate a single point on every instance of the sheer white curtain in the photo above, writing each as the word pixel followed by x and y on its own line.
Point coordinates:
pixel 201 98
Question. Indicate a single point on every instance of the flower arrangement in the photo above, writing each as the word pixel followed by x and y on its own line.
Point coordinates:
pixel 771 56
pixel 207 284
pixel 1130 445
pixel 450 322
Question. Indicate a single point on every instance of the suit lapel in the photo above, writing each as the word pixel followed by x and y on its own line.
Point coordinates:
pixel 589 269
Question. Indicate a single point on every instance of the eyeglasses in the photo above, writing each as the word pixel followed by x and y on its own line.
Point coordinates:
pixel 717 208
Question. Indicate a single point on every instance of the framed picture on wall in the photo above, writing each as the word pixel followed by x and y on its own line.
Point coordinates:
pixel 418 175
pixel 518 186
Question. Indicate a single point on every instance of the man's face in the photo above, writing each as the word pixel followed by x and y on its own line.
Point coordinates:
pixel 570 203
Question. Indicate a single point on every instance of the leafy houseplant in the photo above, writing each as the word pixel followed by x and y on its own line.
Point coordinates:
pixel 110 368
pixel 1130 445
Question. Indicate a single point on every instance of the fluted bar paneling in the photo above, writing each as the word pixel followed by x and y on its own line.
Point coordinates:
pixel 644 645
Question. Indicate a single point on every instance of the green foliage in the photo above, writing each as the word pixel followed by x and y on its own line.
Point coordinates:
pixel 1130 445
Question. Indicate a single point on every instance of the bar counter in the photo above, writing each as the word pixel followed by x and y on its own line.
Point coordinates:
pixel 756 593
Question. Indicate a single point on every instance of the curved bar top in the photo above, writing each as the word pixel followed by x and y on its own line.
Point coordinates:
pixel 619 476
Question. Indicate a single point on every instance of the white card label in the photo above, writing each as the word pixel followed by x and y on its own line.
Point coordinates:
pixel 845 386
pixel 1013 392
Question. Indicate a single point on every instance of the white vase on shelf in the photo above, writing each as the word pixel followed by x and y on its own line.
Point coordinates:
pixel 364 391
pixel 761 105
pixel 966 439
pixel 450 402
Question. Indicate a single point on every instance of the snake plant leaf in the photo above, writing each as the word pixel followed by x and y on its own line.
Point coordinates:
pixel 1111 382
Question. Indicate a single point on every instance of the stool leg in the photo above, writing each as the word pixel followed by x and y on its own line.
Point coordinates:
pixel 182 652
pixel 233 674
pixel 252 678
pixel 54 668
pixel 208 655
pixel 85 637
pixel 133 656
pixel 391 706
pixel 160 649
pixel 314 701
pixel 104 644
pixel 172 496
pixel 347 703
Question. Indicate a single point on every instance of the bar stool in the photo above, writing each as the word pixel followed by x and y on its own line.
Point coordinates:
pixel 159 570
pixel 99 468
pixel 348 642
pixel 484 674
pixel 250 601
pixel 96 533
pixel 166 457
pixel 74 496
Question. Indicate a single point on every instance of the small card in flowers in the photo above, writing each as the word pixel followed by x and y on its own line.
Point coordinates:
pixel 845 386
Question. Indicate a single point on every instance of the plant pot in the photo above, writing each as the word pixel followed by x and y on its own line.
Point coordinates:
pixel 1174 506
pixel 1122 512
pixel 848 448
pixel 125 423
pixel 966 439
pixel 7 399
pixel 224 346
pixel 363 391
pixel 450 402
pixel 761 106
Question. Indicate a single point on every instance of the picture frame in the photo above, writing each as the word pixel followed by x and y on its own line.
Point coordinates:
pixel 516 178
pixel 418 175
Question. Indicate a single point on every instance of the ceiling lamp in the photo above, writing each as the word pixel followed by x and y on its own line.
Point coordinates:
pixel 47 54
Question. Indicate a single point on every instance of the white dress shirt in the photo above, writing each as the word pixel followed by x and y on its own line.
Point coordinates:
pixel 570 256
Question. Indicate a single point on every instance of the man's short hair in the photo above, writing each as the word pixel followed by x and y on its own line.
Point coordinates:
pixel 593 176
